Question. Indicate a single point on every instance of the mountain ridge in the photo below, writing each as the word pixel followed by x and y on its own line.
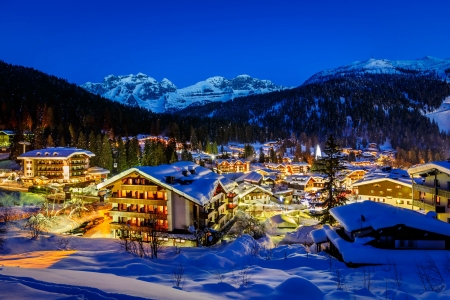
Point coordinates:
pixel 427 65
pixel 144 91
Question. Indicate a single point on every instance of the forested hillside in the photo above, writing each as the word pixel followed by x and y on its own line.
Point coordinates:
pixel 371 106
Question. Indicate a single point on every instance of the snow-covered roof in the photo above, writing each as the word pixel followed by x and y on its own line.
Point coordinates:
pixel 319 236
pixel 252 177
pixel 245 188
pixel 97 170
pixel 397 176
pixel 55 153
pixel 198 187
pixel 282 221
pixel 443 166
pixel 8 132
pixel 379 215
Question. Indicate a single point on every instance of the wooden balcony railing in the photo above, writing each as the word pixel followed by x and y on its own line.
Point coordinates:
pixel 137 201
pixel 137 187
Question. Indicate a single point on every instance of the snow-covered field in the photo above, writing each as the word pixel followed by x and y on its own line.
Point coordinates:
pixel 96 268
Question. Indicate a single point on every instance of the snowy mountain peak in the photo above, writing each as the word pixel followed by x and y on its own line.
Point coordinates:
pixel 144 91
pixel 423 66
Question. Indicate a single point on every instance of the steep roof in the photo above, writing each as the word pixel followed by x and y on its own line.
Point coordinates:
pixel 443 166
pixel 397 176
pixel 198 187
pixel 55 153
pixel 379 215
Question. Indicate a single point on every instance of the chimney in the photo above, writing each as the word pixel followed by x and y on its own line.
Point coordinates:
pixel 170 179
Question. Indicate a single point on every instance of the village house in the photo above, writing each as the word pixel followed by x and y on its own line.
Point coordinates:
pixel 62 165
pixel 432 188
pixel 369 230
pixel 169 197
pixel 392 186
pixel 232 166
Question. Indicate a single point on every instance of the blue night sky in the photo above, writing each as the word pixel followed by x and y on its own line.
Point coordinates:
pixel 189 41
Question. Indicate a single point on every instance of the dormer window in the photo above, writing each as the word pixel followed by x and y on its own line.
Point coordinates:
pixel 55 153
pixel 38 154
pixel 46 153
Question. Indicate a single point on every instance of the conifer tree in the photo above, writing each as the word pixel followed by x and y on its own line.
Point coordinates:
pixel 50 142
pixel 133 152
pixel 105 159
pixel 81 141
pixel 146 155
pixel 262 157
pixel 330 165
pixel 173 159
pixel 121 156
pixel 273 156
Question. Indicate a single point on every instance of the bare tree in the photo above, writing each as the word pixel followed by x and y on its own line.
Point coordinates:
pixel 247 224
pixel 429 275
pixel 36 225
pixel 6 209
pixel 3 233
pixel 366 276
pixel 178 277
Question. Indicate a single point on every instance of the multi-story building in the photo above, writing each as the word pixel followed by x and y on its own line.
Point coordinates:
pixel 232 165
pixel 171 197
pixel 290 168
pixel 57 164
pixel 432 188
pixel 393 187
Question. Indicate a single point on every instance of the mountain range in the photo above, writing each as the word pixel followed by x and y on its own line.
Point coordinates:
pixel 146 92
pixel 427 65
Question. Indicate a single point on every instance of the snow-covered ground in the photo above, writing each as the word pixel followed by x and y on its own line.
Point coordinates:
pixel 96 268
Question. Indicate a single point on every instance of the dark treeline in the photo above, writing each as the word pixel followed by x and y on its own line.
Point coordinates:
pixel 371 106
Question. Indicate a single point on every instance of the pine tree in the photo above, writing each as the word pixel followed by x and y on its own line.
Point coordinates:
pixel 273 156
pixel 105 159
pixel 81 141
pixel 133 153
pixel 146 155
pixel 121 156
pixel 50 142
pixel 262 157
pixel 330 165
pixel 92 146
pixel 173 159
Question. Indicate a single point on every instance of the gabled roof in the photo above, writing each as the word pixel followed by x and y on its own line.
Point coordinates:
pixel 198 188
pixel 252 177
pixel 55 153
pixel 397 176
pixel 8 132
pixel 246 188
pixel 379 215
pixel 443 166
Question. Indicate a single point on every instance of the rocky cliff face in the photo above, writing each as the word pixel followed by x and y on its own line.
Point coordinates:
pixel 144 91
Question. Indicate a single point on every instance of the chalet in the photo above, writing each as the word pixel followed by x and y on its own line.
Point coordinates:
pixel 251 194
pixel 289 168
pixel 301 183
pixel 274 174
pixel 351 175
pixel 232 165
pixel 372 232
pixel 171 197
pixel 6 137
pixel 387 226
pixel 432 188
pixel 58 164
pixel 393 187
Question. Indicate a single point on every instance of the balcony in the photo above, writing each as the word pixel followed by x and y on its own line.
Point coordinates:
pixel 136 187
pixel 423 205
pixel 424 188
pixel 137 201
pixel 135 226
pixel 221 217
pixel 135 214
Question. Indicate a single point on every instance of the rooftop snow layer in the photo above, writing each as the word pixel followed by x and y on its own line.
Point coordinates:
pixel 380 215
